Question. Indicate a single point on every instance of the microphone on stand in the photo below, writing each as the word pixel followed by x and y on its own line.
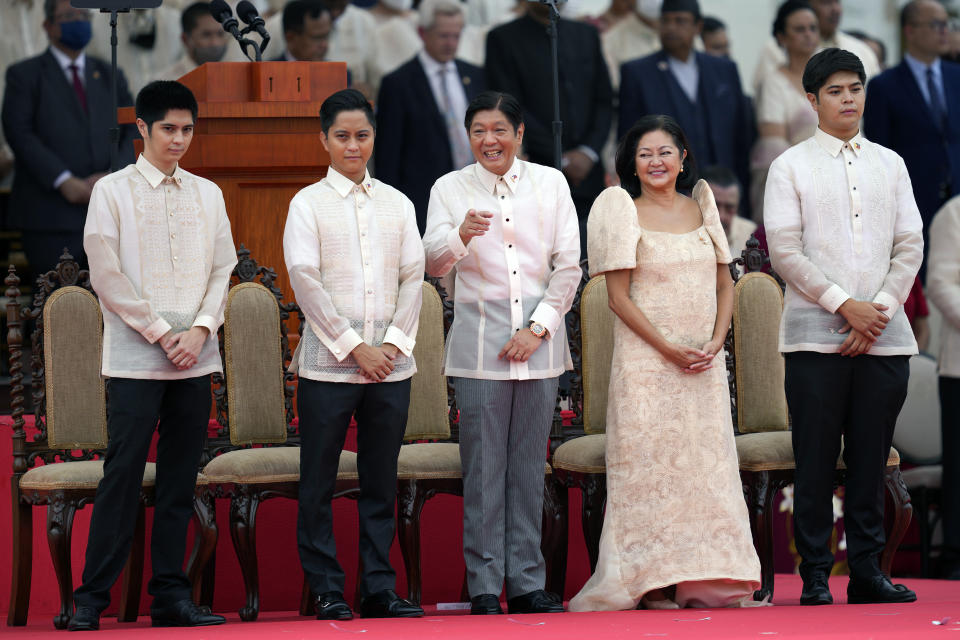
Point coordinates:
pixel 248 13
pixel 222 13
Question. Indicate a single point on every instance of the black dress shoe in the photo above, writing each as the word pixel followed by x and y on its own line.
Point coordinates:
pixel 538 601
pixel 332 606
pixel 184 613
pixel 816 590
pixel 486 604
pixel 877 590
pixel 84 619
pixel 387 604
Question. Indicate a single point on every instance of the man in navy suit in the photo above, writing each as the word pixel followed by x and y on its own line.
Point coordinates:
pixel 702 92
pixel 914 109
pixel 518 63
pixel 57 116
pixel 420 109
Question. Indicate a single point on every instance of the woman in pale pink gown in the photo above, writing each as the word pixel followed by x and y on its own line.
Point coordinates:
pixel 676 531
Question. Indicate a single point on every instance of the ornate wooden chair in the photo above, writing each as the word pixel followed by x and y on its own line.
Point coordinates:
pixel 764 447
pixel 425 469
pixel 256 454
pixel 580 462
pixel 69 435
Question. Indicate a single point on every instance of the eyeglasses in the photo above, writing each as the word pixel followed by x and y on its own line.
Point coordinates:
pixel 936 25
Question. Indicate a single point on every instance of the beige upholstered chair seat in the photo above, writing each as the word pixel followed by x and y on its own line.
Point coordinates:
pixel 268 464
pixel 425 460
pixel 773 451
pixel 585 454
pixel 74 475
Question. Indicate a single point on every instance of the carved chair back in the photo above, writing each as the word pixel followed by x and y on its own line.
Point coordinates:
pixel 72 359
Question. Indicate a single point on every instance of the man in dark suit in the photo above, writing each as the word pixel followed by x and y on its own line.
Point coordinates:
pixel 702 92
pixel 518 63
pixel 57 117
pixel 914 109
pixel 420 109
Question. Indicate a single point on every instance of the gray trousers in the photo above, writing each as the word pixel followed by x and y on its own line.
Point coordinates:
pixel 504 426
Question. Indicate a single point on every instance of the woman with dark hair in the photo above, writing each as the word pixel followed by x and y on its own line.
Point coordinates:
pixel 784 115
pixel 676 531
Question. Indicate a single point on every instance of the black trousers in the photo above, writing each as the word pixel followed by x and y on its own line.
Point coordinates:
pixel 381 413
pixel 950 433
pixel 134 408
pixel 859 398
pixel 44 248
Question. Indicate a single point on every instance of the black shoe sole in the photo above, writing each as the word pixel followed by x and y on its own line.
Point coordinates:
pixel 869 600
pixel 176 623
pixel 813 602
pixel 341 617
pixel 84 627
pixel 486 612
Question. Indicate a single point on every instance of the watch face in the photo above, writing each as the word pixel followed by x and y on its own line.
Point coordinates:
pixel 538 329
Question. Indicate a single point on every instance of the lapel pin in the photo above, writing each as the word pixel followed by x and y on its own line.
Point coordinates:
pixel 466 80
pixel 662 65
pixel 857 145
pixel 96 75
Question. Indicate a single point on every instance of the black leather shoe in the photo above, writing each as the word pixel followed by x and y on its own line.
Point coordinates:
pixel 877 590
pixel 538 601
pixel 485 604
pixel 84 619
pixel 332 606
pixel 184 613
pixel 387 604
pixel 816 590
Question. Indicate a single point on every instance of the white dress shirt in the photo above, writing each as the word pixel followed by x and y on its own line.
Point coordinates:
pixel 458 96
pixel 919 71
pixel 943 283
pixel 161 255
pixel 686 73
pixel 841 222
pixel 355 261
pixel 524 268
pixel 65 63
pixel 354 40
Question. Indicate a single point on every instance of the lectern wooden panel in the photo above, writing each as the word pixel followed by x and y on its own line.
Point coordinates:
pixel 258 138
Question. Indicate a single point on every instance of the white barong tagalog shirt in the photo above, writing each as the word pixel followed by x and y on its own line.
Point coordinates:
pixel 524 268
pixel 355 261
pixel 160 254
pixel 841 223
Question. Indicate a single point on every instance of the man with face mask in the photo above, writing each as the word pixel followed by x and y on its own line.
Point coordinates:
pixel 56 116
pixel 204 40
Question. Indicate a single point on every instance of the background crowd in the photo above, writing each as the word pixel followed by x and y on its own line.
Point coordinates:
pixel 422 62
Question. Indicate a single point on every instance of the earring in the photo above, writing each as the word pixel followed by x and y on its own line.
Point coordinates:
pixel 681 168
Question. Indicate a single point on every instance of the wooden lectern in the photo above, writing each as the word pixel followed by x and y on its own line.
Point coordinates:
pixel 258 138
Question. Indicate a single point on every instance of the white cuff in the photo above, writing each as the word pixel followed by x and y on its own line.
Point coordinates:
pixel 157 330
pixel 833 298
pixel 207 322
pixel 589 152
pixel 399 339
pixel 892 304
pixel 63 177
pixel 547 316
pixel 345 344
pixel 457 248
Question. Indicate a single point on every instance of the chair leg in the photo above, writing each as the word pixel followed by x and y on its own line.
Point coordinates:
pixel 59 527
pixel 133 572
pixel 307 607
pixel 410 500
pixel 760 497
pixel 903 512
pixel 554 539
pixel 204 545
pixel 591 515
pixel 22 569
pixel 243 532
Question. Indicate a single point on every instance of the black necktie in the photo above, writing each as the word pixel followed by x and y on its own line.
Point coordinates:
pixel 937 107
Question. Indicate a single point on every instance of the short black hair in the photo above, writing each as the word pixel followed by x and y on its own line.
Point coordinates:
pixel 161 96
pixel 826 63
pixel 711 24
pixel 498 101
pixel 786 10
pixel 720 175
pixel 626 161
pixel 345 100
pixel 296 11
pixel 192 14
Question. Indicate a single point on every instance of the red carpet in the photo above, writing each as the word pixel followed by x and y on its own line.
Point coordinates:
pixel 939 601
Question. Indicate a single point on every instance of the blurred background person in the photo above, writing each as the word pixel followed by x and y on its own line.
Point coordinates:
pixel 784 114
pixel 716 42
pixel 204 40
pixel 306 29
pixel 634 35
pixel 420 109
pixel 21 36
pixel 726 192
pixel 147 40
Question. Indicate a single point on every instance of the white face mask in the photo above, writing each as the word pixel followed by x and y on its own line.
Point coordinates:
pixel 399 5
